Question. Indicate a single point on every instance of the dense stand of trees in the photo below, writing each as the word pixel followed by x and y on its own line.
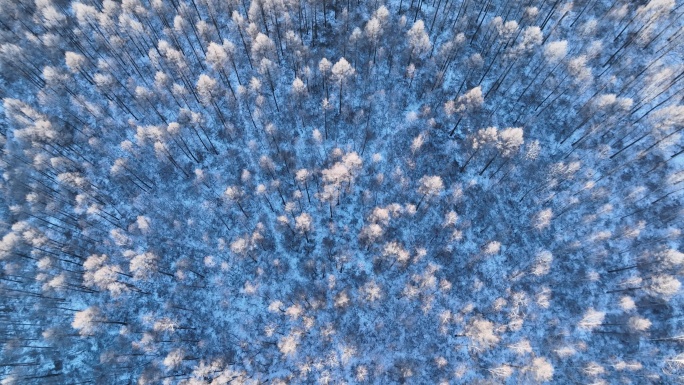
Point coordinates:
pixel 272 191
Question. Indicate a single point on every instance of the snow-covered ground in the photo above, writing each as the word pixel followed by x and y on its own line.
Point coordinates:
pixel 423 192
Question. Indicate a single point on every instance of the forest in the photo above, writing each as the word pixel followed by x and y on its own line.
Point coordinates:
pixel 213 192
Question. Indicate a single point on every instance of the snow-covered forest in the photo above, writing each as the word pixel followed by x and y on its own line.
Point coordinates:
pixel 341 192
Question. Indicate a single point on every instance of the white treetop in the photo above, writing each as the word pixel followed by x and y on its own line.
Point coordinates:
pixel 342 70
pixel 418 39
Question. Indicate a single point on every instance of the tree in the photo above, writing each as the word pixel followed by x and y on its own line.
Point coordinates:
pixel 592 319
pixel 263 48
pixel 465 103
pixel 482 138
pixel 218 57
pixel 298 87
pixel 418 41
pixel 267 67
pixel 298 91
pixel 335 178
pixel 542 219
pixel 143 265
pixel 235 194
pixel 373 30
pixel 302 176
pixel 430 187
pixel 206 88
pixel 74 61
pixel 664 286
pixel 341 72
pixel 303 224
pixel 104 276
pixel 324 67
pixel 174 359
pixel 508 142
pixel 540 369
pixel 481 334
pixel 86 321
